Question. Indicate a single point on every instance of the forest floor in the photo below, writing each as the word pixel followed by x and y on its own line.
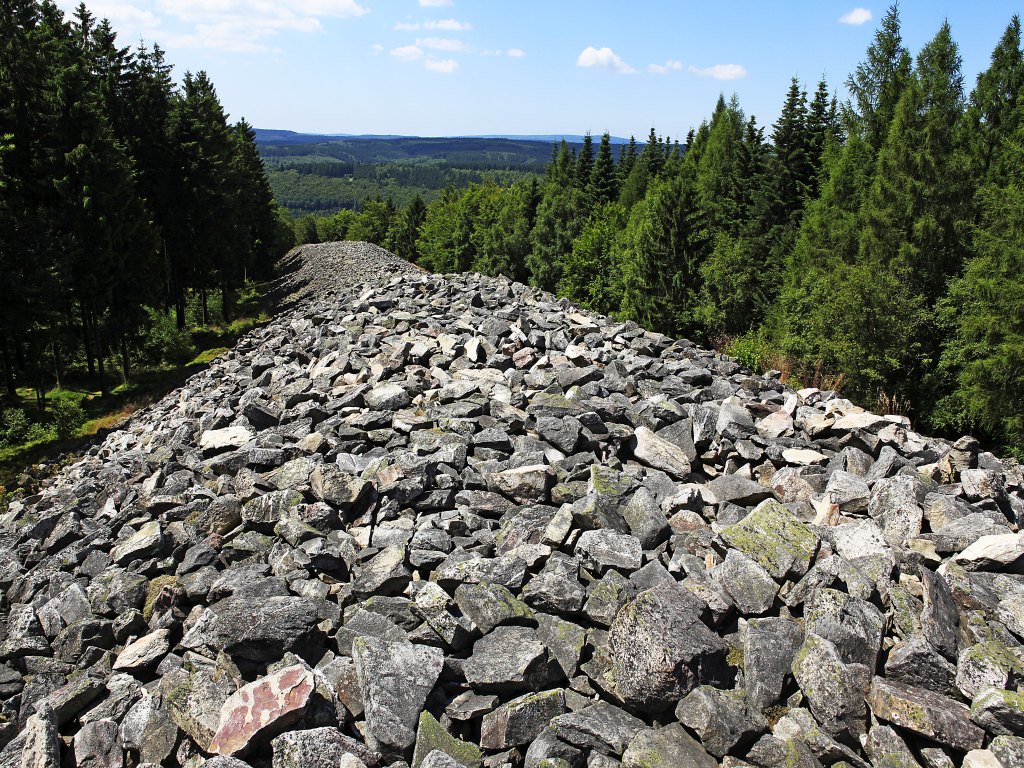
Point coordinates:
pixel 22 466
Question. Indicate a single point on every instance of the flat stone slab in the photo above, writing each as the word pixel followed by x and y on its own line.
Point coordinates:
pixel 930 714
pixel 271 702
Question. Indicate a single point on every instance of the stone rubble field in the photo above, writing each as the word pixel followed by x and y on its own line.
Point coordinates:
pixel 442 521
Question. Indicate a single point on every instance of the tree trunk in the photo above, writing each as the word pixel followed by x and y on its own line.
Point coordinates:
pixel 226 301
pixel 125 361
pixel 87 343
pixel 5 355
pixel 206 308
pixel 100 368
pixel 55 346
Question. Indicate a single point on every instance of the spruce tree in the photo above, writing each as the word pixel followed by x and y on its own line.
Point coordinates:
pixel 985 351
pixel 603 182
pixel 879 81
pixel 994 112
pixel 585 162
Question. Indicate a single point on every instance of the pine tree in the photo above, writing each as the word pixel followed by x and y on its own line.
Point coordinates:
pixel 585 162
pixel 591 274
pixel 985 352
pixel 405 230
pixel 718 172
pixel 878 82
pixel 793 148
pixel 994 113
pixel 663 247
pixel 604 186
pixel 197 235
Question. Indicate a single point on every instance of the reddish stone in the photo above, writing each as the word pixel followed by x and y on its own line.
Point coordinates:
pixel 261 708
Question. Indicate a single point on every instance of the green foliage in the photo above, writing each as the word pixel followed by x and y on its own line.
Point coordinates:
pixel 164 342
pixel 985 352
pixel 14 426
pixel 591 273
pixel 753 350
pixel 67 415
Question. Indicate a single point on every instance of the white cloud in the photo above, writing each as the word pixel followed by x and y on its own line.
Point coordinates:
pixel 436 3
pixel 603 58
pixel 243 26
pixel 444 25
pixel 407 52
pixel 444 66
pixel 448 25
pixel 442 44
pixel 663 69
pixel 515 53
pixel 377 48
pixel 721 71
pixel 856 17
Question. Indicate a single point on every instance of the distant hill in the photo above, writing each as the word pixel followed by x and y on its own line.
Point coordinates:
pixel 274 136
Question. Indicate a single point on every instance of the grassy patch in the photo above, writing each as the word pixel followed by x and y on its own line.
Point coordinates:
pixel 207 356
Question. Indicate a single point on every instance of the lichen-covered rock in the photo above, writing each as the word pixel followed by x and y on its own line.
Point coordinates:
pixel 774 538
pixel 660 649
pixel 938 717
pixel 666 748
pixel 521 720
pixel 395 680
pixel 432 737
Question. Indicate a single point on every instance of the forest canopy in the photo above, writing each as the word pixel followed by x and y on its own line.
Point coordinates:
pixel 122 194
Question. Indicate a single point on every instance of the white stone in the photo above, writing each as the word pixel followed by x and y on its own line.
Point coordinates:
pixel 993 552
pixel 144 651
pixel 803 457
pixel 220 439
pixel 660 453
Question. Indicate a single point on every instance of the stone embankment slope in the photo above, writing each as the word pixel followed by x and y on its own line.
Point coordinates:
pixel 452 521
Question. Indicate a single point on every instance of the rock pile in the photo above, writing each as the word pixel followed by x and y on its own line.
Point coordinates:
pixel 452 521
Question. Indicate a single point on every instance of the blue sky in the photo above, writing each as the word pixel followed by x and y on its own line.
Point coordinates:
pixel 463 67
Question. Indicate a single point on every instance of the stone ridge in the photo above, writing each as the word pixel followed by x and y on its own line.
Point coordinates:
pixel 453 521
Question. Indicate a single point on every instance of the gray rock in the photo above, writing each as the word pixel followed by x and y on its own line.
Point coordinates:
pixel 854 626
pixel 601 727
pixel 768 652
pixel 509 659
pixel 657 452
pixel 666 748
pixel 1009 751
pixel 98 745
pixel 998 711
pixel 940 617
pixel 41 746
pixel 660 649
pixel 925 712
pixel 318 748
pixel 749 585
pixel 834 689
pixel 719 718
pixel 394 680
pixel 915 662
pixel 285 624
pixel 733 489
pixel 521 720
pixel 490 605
pixel 609 549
